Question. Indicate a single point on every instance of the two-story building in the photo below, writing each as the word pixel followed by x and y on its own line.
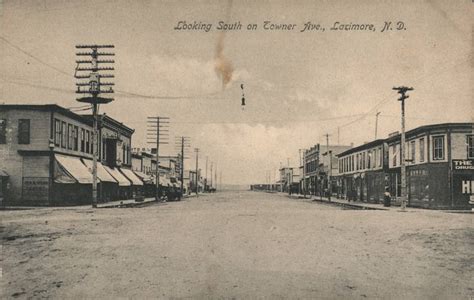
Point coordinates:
pixel 440 165
pixel 362 170
pixel 46 150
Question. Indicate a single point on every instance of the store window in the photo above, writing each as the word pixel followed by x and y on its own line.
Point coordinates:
pixel 23 131
pixel 3 131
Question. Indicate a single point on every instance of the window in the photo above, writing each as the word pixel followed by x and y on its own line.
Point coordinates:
pixel 57 132
pixel 87 141
pixel 412 151
pixel 23 131
pixel 83 140
pixel 422 150
pixel 70 138
pixel 76 137
pixel 63 135
pixel 363 161
pixel 3 131
pixel 470 146
pixel 394 154
pixel 438 147
pixel 369 155
pixel 104 149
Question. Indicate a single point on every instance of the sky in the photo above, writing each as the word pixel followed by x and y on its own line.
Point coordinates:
pixel 298 86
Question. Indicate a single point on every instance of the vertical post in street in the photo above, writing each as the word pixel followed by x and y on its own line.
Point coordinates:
pixel 197 175
pixel 402 90
pixel 93 88
pixel 215 176
pixel 154 135
pixel 376 123
pixel 329 154
pixel 206 174
pixel 182 145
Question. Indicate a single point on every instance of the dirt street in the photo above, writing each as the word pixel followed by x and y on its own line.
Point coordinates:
pixel 236 245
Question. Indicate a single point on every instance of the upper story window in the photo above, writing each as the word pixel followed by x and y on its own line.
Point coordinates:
pixel 438 147
pixel 76 138
pixel 412 151
pixel 63 135
pixel 3 131
pixel 70 137
pixel 57 132
pixel 369 156
pixel 23 131
pixel 394 154
pixel 422 150
pixel 87 141
pixel 470 146
pixel 82 137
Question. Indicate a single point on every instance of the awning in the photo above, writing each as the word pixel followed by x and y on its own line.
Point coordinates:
pixel 102 174
pixel 147 179
pixel 163 181
pixel 73 167
pixel 131 176
pixel 3 173
pixel 118 176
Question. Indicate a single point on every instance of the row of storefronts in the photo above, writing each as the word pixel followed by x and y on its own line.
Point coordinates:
pixel 46 159
pixel 439 161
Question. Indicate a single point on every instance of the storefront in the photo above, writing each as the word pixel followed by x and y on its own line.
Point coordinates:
pixel 107 188
pixel 463 183
pixel 72 183
pixel 3 187
pixel 137 184
pixel 125 190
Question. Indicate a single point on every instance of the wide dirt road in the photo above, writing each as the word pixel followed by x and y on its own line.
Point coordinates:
pixel 236 245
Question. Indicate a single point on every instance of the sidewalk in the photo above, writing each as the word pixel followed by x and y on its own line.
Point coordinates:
pixel 354 204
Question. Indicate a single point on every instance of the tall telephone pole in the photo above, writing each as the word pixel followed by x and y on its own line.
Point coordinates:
pixel 211 174
pixel 402 90
pixel 158 136
pixel 183 143
pixel 376 123
pixel 215 176
pixel 196 150
pixel 329 154
pixel 206 173
pixel 93 89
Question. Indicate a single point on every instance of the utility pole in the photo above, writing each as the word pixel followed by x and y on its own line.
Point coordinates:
pixel 206 174
pixel 183 143
pixel 93 89
pixel 197 175
pixel 402 90
pixel 158 136
pixel 376 123
pixel 329 154
pixel 215 176
pixel 211 174
pixel 304 172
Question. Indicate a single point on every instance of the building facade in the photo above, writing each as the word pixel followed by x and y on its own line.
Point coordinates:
pixel 46 150
pixel 439 163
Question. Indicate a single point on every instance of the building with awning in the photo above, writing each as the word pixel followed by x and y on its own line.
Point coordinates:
pixel 132 177
pixel 102 173
pixel 107 185
pixel 70 169
pixel 147 179
pixel 118 176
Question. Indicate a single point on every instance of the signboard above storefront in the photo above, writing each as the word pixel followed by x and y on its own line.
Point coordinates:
pixel 463 164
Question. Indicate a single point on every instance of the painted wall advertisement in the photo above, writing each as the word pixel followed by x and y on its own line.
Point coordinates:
pixel 35 188
pixel 463 181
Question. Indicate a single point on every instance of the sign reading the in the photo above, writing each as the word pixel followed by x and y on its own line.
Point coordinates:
pixel 463 164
